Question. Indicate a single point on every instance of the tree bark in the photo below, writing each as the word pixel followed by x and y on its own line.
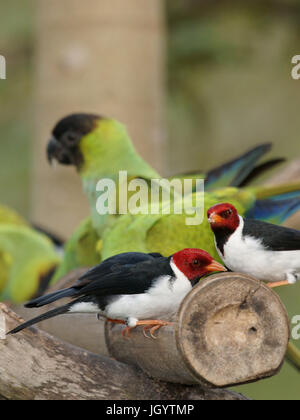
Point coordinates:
pixel 35 365
pixel 99 56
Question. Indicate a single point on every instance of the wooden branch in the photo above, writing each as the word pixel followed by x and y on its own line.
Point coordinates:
pixel 35 365
pixel 230 329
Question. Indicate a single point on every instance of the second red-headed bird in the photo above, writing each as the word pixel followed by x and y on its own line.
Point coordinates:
pixel 268 252
pixel 132 288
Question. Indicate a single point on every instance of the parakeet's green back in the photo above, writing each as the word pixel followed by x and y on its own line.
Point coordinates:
pixel 11 217
pixel 25 257
pixel 82 250
pixel 170 233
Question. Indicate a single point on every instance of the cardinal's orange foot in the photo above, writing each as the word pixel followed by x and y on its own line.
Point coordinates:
pixel 153 325
pixel 149 324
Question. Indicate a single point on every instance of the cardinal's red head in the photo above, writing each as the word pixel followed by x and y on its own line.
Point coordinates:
pixel 195 263
pixel 223 217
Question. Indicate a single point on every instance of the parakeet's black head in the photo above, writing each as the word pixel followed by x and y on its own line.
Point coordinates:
pixel 66 136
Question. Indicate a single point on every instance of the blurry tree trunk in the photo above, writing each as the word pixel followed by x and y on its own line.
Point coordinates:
pixel 101 56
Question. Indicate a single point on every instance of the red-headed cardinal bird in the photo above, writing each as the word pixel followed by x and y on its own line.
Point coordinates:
pixel 131 288
pixel 268 252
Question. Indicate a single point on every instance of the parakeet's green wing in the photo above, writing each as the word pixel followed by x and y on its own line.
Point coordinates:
pixel 170 233
pixel 82 250
pixel 9 216
pixel 25 258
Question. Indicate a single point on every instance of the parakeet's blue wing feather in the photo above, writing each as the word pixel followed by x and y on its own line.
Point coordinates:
pixel 261 169
pixel 235 172
pixel 275 210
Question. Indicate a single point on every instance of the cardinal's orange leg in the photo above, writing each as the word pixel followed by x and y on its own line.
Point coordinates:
pixel 278 284
pixel 125 331
pixel 149 324
pixel 116 321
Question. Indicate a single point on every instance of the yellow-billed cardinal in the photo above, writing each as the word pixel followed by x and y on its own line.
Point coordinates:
pixel 131 288
pixel 268 252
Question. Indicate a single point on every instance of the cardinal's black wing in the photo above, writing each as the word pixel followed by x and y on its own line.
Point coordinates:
pixel 131 278
pixel 273 237
pixel 125 273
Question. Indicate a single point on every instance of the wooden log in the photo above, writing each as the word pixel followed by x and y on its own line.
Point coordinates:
pixel 35 365
pixel 231 329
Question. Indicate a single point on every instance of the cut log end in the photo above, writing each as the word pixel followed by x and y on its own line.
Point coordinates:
pixel 232 329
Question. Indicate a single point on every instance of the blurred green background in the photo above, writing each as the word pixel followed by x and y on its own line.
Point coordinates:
pixel 17 45
pixel 229 87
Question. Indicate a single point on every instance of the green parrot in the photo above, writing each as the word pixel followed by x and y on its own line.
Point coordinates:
pixel 27 260
pixel 101 148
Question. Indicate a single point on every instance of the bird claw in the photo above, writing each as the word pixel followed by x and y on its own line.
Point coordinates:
pixel 144 332
pixel 151 332
pixel 153 326
pixel 126 333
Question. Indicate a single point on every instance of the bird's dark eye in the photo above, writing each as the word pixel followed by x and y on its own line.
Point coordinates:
pixel 196 262
pixel 226 214
pixel 70 138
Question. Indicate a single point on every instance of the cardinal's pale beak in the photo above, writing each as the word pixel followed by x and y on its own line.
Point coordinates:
pixel 215 218
pixel 215 266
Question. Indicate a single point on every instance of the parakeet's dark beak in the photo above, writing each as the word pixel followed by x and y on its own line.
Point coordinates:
pixel 66 155
pixel 51 150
